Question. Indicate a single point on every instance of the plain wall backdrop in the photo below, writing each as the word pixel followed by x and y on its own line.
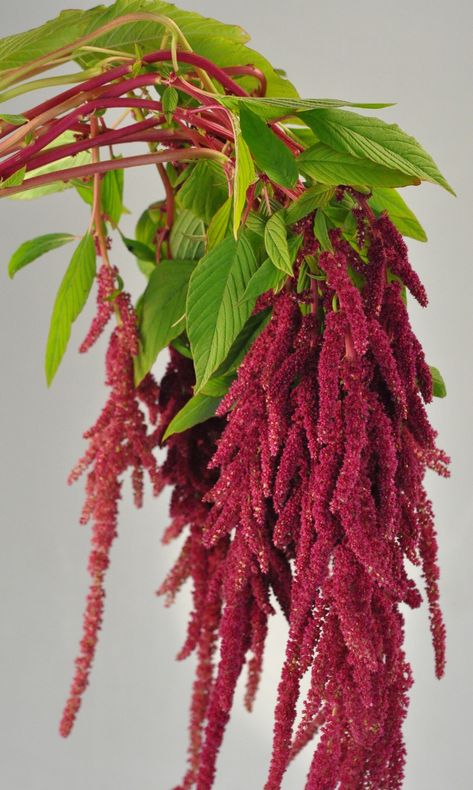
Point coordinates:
pixel 131 731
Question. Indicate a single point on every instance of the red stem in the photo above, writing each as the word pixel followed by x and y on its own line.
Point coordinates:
pixel 250 71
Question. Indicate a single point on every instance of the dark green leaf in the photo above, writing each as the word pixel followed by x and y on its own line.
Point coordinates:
pixel 275 241
pixel 215 314
pixel 270 153
pixel 218 386
pixel 71 298
pixel 219 223
pixel 312 198
pixel 198 409
pixel 187 236
pixel 370 138
pixel 139 250
pixel 30 250
pixel 205 190
pixel 439 386
pixel 339 167
pixel 399 213
pixel 162 311
pixel 243 342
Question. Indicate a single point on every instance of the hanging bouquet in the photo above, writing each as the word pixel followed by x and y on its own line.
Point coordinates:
pixel 293 408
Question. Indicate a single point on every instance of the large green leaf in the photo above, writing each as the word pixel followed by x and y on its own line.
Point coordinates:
pixel 34 248
pixel 187 237
pixel 275 241
pixel 312 198
pixel 198 409
pixel 71 298
pixel 162 310
pixel 270 153
pixel 242 343
pixel 370 138
pixel 215 313
pixel 339 167
pixel 399 213
pixel 27 47
pixel 205 190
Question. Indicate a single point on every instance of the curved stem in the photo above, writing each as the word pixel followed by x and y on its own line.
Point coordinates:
pixel 84 171
pixel 250 71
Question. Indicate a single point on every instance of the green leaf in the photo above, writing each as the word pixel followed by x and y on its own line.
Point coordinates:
pixel 162 310
pixel 244 175
pixel 269 107
pixel 266 278
pixel 321 231
pixel 27 47
pixel 205 190
pixel 275 241
pixel 111 193
pixel 218 226
pixel 399 213
pixel 187 236
pixel 198 409
pixel 215 314
pixel 170 100
pixel 15 120
pixel 270 153
pixel 256 223
pixel 339 167
pixel 15 179
pixel 34 248
pixel 218 386
pixel 71 298
pixel 370 138
pixel 439 386
pixel 312 198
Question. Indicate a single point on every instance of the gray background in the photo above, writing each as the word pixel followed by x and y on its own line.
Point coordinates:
pixel 131 733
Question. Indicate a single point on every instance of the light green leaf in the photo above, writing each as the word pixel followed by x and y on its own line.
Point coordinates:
pixel 275 241
pixel 34 248
pixel 198 409
pixel 269 107
pixel 187 236
pixel 15 179
pixel 244 175
pixel 398 211
pixel 111 193
pixel 243 342
pixel 370 138
pixel 270 153
pixel 162 310
pixel 71 298
pixel 266 278
pixel 82 158
pixel 321 231
pixel 215 314
pixel 205 190
pixel 170 100
pixel 339 167
pixel 218 226
pixel 439 386
pixel 312 198
pixel 15 120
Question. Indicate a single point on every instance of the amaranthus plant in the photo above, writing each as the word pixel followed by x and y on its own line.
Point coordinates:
pixel 293 407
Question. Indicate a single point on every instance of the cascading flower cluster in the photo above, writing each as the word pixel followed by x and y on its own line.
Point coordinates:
pixel 293 408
